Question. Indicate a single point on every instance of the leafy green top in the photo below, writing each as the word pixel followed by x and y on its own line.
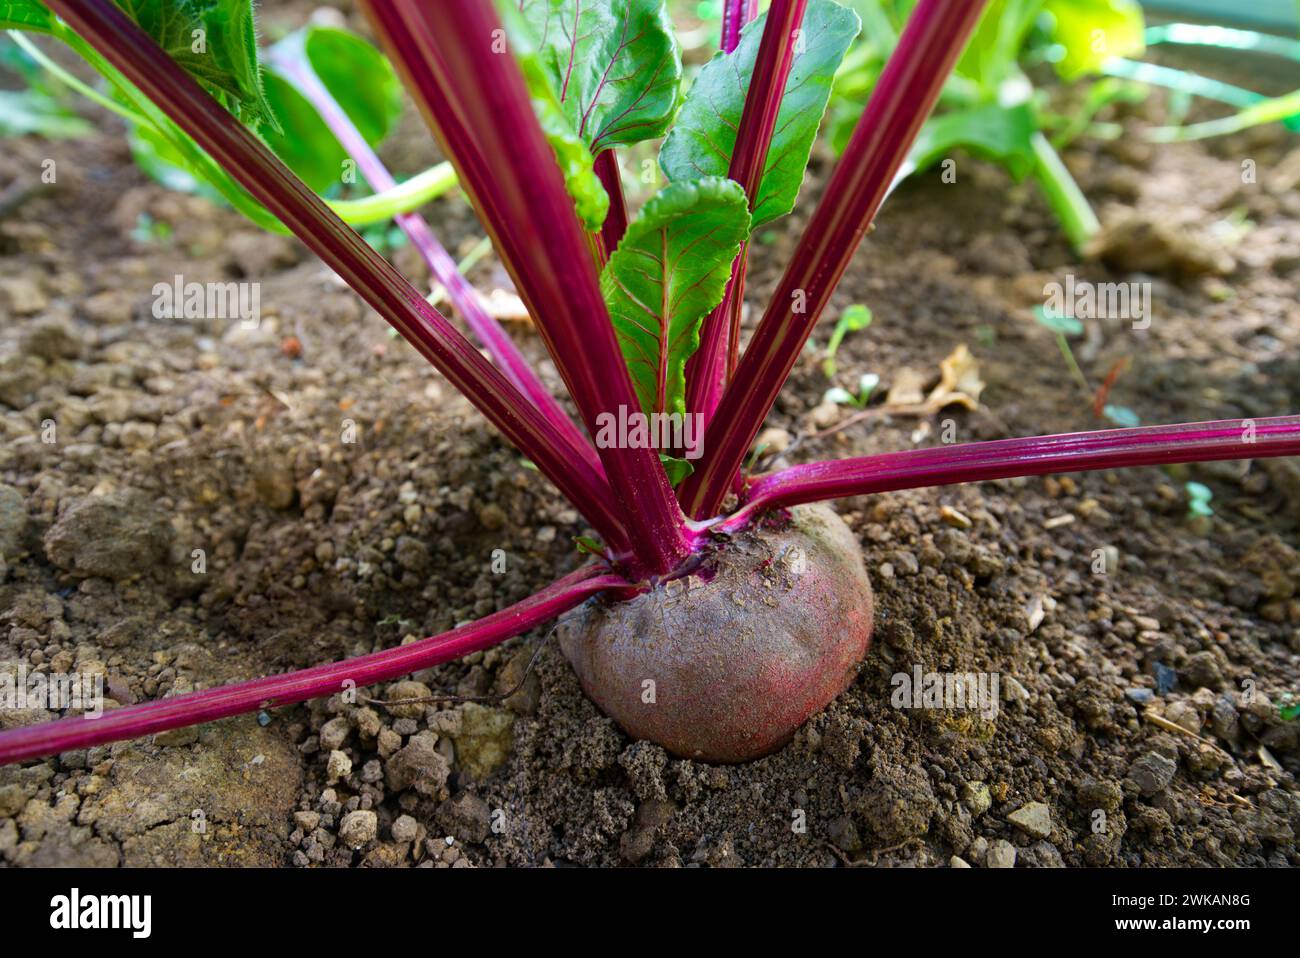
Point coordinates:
pixel 216 43
pixel 703 138
pixel 671 269
pixel 615 65
pixel 576 161
pixel 357 76
pixel 25 15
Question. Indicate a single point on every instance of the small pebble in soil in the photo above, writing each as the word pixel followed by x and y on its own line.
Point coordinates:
pixel 13 521
pixel 387 742
pixel 1013 693
pixel 407 690
pixel 1166 678
pixel 358 828
pixel 1103 794
pixel 1186 716
pixel 114 536
pixel 12 799
pixel 773 441
pixel 1152 773
pixel 1034 819
pixel 176 737
pixel 466 816
pixel 406 726
pixel 954 518
pixel 338 766
pixel 977 798
pixel 418 764
pixel 898 802
pixel 1224 718
pixel 405 829
pixel 1001 854
pixel 844 834
pixel 334 733
pixel 905 563
pixel 306 820
pixel 1202 671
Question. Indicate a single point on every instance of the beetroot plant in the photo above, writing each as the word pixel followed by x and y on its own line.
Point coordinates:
pixel 718 609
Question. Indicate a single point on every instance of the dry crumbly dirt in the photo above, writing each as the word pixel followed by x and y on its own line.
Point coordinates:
pixel 1128 733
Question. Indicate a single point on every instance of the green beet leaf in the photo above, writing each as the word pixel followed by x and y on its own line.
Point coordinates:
pixel 671 269
pixel 702 139
pixel 215 42
pixel 992 53
pixel 360 80
pixel 358 76
pixel 614 65
pixel 576 160
pixel 677 468
pixel 576 163
pixel 304 142
pixel 1002 134
pixel 25 15
pixel 1093 31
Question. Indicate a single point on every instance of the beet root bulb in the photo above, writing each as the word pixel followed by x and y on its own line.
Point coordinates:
pixel 727 664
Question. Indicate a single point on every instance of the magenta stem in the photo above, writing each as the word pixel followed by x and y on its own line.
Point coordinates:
pixel 615 225
pixel 736 305
pixel 464 297
pixel 903 97
pixel 248 160
pixel 766 90
pixel 706 371
pixel 1009 458
pixel 735 14
pixel 708 368
pixel 474 98
pixel 147 718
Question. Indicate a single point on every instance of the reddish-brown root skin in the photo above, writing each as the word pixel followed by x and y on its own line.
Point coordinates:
pixel 726 669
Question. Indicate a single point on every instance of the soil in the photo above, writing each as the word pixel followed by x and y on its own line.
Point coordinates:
pixel 189 502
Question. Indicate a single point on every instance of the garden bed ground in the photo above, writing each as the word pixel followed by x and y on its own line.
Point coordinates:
pixel 182 435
